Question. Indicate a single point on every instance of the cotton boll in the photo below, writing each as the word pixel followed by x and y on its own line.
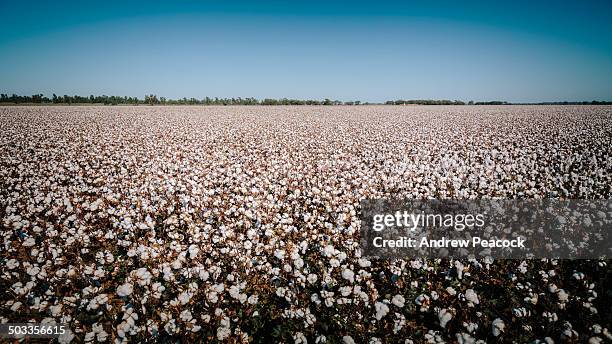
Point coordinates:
pixel 398 300
pixel 348 275
pixel 498 327
pixel 348 340
pixel 471 297
pixel 125 289
pixel 444 316
pixel 193 251
pixel 381 310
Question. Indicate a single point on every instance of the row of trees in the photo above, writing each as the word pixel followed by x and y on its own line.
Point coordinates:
pixel 66 99
pixel 424 102
pixel 494 102
pixel 153 99
pixel 593 102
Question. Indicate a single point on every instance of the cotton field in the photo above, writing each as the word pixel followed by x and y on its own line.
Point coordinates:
pixel 240 224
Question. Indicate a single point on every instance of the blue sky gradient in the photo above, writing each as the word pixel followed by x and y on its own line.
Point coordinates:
pixel 347 50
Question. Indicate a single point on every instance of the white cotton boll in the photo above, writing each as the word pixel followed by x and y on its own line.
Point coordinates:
pixel 329 301
pixel 315 298
pixel 444 316
pixel 312 278
pixel 562 295
pixel 348 340
pixel 381 310
pixel 280 254
pixel 234 291
pixel 16 306
pixel 33 271
pixel 346 290
pixel 223 332
pixel 184 297
pixel 550 316
pixel 471 297
pixel 193 251
pixel 125 289
pixel 143 276
pixel 185 315
pixel 328 251
pixel 398 300
pixel 470 327
pixel 56 310
pixel 464 338
pixel 242 298
pixel 295 254
pixel 102 336
pixel 170 327
pixel 252 300
pixel 498 327
pixel 523 267
pixel 157 289
pixel 348 275
pixel 533 298
pixel 29 242
pixel 519 312
pixel 421 299
pixel 212 296
pixel 12 264
pixel 299 338
pixel 66 338
pixel 364 263
pixel 177 264
pixel 219 287
pixel 459 267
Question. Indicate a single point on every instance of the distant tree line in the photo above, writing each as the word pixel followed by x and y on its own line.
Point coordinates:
pixel 592 102
pixel 152 99
pixel 494 102
pixel 424 102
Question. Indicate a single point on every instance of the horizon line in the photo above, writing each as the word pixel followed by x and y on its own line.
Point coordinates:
pixel 153 99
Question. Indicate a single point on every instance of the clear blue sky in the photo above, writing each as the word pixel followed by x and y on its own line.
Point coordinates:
pixel 372 51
